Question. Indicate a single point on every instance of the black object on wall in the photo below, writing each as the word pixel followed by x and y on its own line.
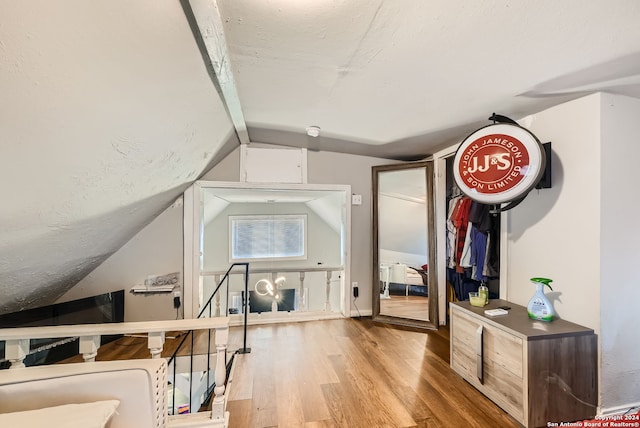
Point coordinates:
pixel 104 308
pixel 545 181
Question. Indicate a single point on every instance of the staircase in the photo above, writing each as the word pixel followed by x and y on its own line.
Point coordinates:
pixel 198 368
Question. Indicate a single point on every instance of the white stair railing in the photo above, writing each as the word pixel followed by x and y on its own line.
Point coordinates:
pixel 17 344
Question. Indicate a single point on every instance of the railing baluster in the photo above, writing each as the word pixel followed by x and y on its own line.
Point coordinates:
pixel 173 390
pixel 89 347
pixel 208 360
pixel 16 351
pixel 17 343
pixel 217 311
pixel 155 343
pixel 302 299
pixel 327 305
pixel 226 306
pixel 191 373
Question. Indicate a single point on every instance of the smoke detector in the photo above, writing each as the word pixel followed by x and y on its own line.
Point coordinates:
pixel 313 131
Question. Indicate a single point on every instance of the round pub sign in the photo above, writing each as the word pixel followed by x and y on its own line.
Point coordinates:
pixel 498 163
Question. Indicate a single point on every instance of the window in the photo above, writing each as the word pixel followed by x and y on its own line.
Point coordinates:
pixel 268 237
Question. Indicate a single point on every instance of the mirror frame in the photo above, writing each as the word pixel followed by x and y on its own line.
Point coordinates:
pixel 431 240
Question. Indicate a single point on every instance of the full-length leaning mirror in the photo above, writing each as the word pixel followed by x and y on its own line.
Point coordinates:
pixel 404 245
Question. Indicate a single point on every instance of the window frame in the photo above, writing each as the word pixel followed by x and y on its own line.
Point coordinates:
pixel 232 218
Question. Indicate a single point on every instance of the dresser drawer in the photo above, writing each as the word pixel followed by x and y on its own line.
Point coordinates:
pixel 516 361
pixel 501 375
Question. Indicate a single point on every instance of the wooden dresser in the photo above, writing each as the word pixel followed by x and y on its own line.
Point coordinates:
pixel 536 371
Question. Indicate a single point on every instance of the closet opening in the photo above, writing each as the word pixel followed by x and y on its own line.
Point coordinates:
pixel 472 240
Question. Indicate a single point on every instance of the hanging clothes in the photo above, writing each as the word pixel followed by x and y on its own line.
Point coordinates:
pixel 472 248
pixel 465 260
pixel 452 231
pixel 478 254
pixel 461 222
pixel 492 259
pixel 480 217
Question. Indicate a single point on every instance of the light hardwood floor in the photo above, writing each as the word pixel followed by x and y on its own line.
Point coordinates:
pixel 352 373
pixel 135 347
pixel 411 307
pixel 347 373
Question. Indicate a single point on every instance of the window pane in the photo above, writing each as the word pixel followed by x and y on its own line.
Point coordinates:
pixel 260 237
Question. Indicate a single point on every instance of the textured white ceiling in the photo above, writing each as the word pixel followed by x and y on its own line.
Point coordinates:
pixel 416 74
pixel 108 110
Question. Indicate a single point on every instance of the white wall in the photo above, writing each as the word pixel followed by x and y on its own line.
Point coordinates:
pixel 323 250
pixel 580 233
pixel 620 282
pixel 226 170
pixel 323 243
pixel 554 232
pixel 394 257
pixel 156 249
pixel 403 228
pixel 335 168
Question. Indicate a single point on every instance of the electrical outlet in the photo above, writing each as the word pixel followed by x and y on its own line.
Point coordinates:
pixel 354 285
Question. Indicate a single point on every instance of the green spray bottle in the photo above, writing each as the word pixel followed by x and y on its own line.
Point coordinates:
pixel 539 307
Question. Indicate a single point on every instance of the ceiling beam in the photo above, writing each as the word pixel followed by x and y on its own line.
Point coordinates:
pixel 206 25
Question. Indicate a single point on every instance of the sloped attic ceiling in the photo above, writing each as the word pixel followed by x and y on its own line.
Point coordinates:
pixel 326 204
pixel 107 114
pixel 108 111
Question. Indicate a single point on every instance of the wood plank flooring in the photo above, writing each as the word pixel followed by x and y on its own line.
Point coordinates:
pixel 411 307
pixel 135 347
pixel 339 373
pixel 351 373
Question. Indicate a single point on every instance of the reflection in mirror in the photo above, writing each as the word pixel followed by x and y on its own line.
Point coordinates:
pixel 402 228
pixel 402 243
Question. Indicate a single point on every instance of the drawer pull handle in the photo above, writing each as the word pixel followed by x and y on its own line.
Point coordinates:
pixel 479 372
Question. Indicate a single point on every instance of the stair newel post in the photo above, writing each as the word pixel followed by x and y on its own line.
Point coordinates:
pixel 218 405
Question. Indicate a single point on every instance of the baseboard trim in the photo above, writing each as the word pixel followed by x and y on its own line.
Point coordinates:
pixel 361 313
pixel 619 410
